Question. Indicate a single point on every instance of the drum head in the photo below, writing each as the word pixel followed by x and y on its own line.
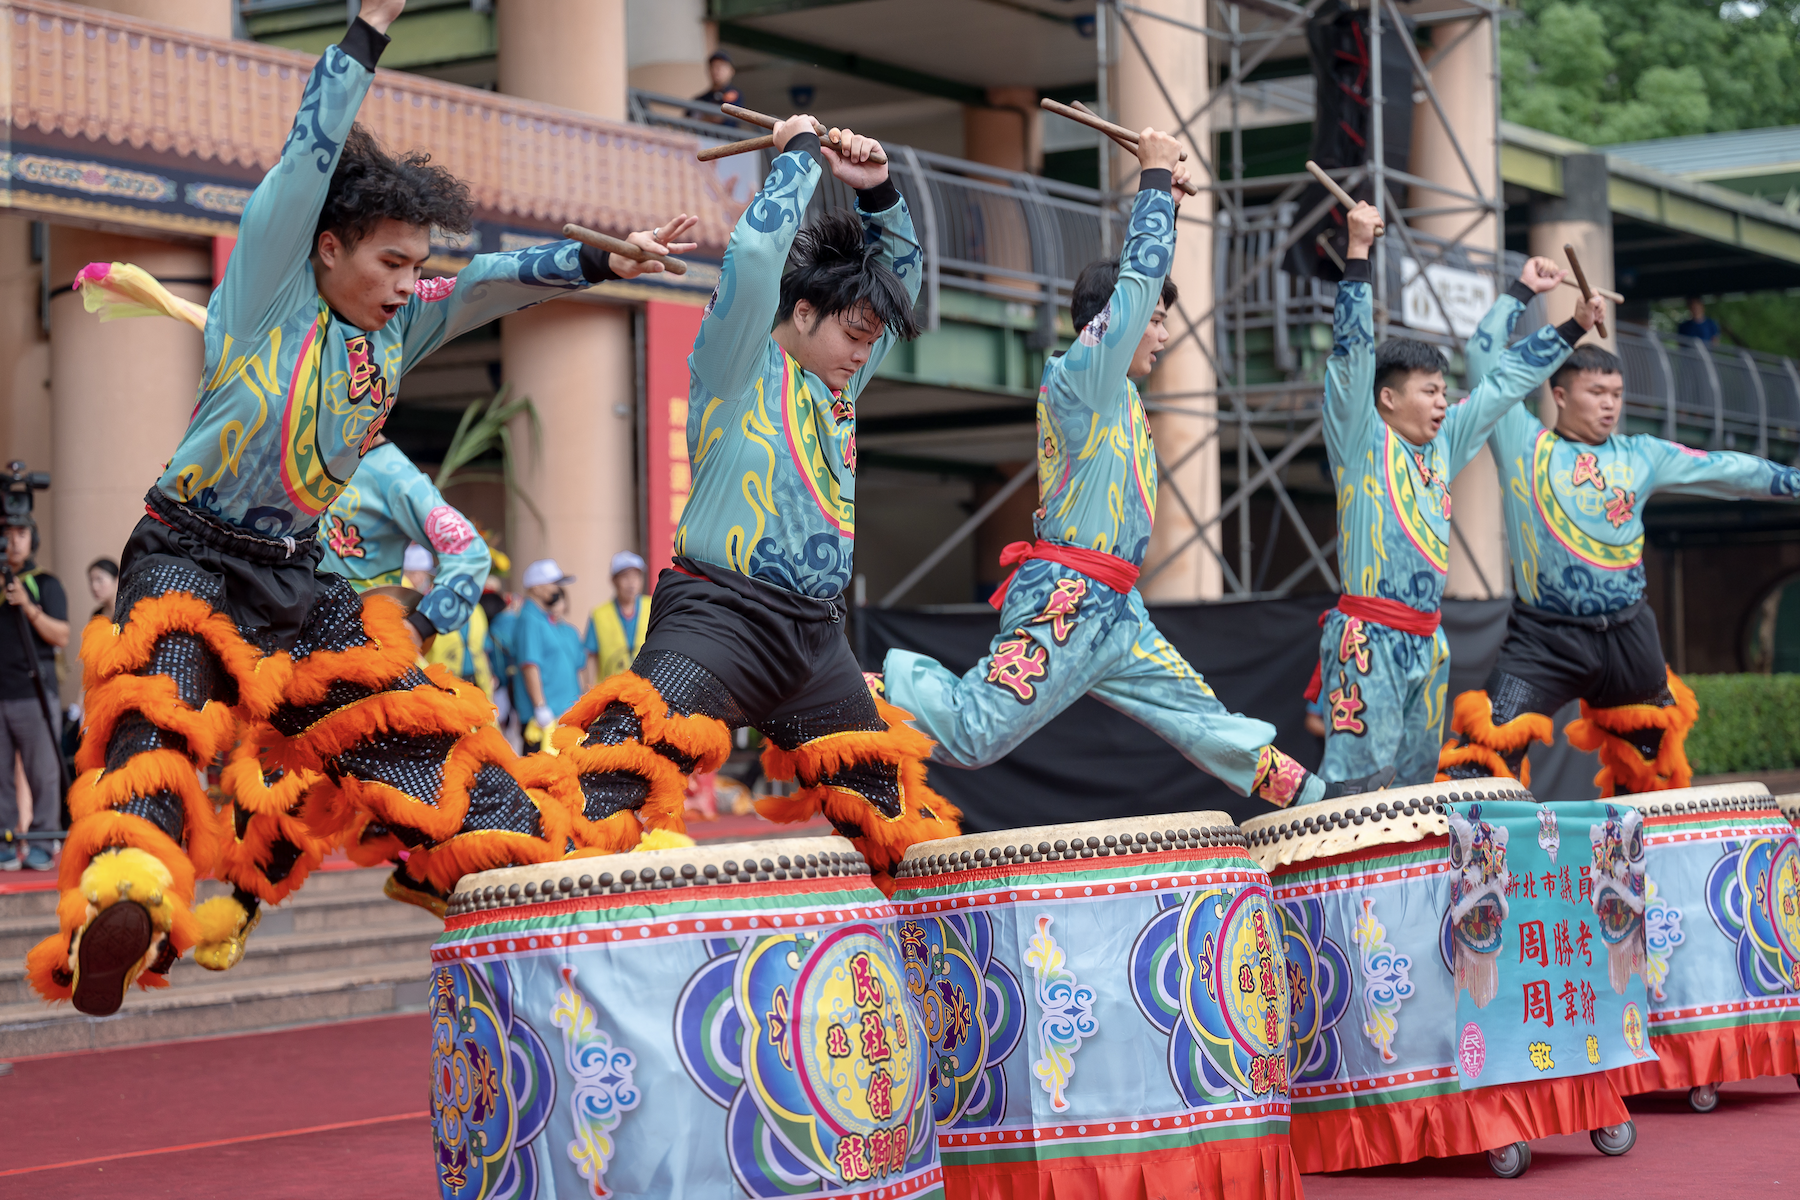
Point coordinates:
pixel 1392 817
pixel 1718 797
pixel 773 859
pixel 1126 827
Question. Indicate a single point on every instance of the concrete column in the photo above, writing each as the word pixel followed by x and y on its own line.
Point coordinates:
pixel 574 358
pixel 1581 217
pixel 1179 60
pixel 666 44
pixel 25 376
pixel 1464 80
pixel 121 394
pixel 1007 132
pixel 210 17
pixel 575 361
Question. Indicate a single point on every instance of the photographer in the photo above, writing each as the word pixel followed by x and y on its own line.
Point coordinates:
pixel 23 727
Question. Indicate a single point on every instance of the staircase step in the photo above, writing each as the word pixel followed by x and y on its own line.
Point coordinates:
pixel 221 1005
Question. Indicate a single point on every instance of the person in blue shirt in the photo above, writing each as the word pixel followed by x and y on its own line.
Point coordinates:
pixel 1071 620
pixel 547 650
pixel 222 615
pixel 1698 325
pixel 748 625
pixel 1393 444
pixel 1580 629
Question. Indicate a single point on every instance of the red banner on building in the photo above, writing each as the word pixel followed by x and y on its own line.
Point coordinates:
pixel 669 332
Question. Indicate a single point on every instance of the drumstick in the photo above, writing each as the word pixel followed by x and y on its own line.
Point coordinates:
pixel 1615 297
pixel 1131 145
pixel 768 122
pixel 730 148
pixel 1082 116
pixel 1581 278
pixel 1331 185
pixel 623 248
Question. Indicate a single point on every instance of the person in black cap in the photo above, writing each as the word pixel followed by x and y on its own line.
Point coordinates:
pixel 722 70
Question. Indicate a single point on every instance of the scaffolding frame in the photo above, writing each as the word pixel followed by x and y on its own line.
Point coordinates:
pixel 1251 410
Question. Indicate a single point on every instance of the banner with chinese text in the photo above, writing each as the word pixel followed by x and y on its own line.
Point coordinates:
pixel 1545 934
pixel 669 331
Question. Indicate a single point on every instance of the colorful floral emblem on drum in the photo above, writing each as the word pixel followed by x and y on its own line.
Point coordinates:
pixel 1319 991
pixel 1065 1014
pixel 1662 934
pixel 973 1011
pixel 1618 898
pixel 602 1071
pixel 1387 981
pixel 1211 973
pixel 1753 894
pixel 1476 918
pixel 493 1085
pixel 809 1044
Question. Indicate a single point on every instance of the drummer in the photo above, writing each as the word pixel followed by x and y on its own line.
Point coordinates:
pixel 1071 620
pixel 748 626
pixel 1579 629
pixel 1394 445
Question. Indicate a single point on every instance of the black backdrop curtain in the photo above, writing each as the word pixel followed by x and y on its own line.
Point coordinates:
pixel 1091 763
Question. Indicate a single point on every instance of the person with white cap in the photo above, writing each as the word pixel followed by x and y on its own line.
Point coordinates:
pixel 615 631
pixel 547 648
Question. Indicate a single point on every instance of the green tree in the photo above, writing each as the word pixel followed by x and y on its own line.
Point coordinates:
pixel 1605 71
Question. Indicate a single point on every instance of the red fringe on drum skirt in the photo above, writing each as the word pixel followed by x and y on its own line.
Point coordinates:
pixel 1245 1169
pixel 1706 1056
pixel 1376 1135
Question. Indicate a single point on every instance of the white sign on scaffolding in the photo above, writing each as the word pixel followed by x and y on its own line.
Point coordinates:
pixel 1466 296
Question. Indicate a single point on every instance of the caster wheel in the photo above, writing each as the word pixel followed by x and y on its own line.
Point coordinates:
pixel 1703 1099
pixel 1510 1162
pixel 1614 1140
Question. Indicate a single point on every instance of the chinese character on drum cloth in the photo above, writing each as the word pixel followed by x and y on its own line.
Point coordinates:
pixel 1565 953
pixel 1531 942
pixel 1537 1003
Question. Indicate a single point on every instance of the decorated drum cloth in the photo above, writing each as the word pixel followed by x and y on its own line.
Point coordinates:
pixel 714 1021
pixel 1386 920
pixel 1722 920
pixel 1105 1007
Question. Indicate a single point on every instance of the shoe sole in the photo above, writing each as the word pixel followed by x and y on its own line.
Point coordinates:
pixel 113 943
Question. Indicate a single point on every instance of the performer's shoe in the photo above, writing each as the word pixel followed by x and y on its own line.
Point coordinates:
pixel 225 925
pixel 128 915
pixel 407 890
pixel 1352 787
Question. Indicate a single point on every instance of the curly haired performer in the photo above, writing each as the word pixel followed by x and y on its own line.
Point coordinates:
pixel 1580 629
pixel 1071 619
pixel 748 627
pixel 222 620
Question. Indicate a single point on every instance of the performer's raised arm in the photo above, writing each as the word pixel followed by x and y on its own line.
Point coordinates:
pixel 1519 371
pixel 887 226
pixel 1494 333
pixel 280 222
pixel 463 559
pixel 1098 361
pixel 1350 413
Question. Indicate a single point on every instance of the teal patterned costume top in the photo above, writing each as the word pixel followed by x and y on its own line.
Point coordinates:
pixel 1575 512
pixel 1096 463
pixel 773 449
pixel 292 396
pixel 389 503
pixel 1393 498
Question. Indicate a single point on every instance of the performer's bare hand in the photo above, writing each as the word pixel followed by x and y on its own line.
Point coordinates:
pixel 1592 312
pixel 1157 149
pixel 1365 226
pixel 381 13
pixel 664 239
pixel 1540 274
pixel 849 159
pixel 784 131
pixel 1182 175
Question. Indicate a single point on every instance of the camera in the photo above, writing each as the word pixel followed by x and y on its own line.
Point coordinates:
pixel 17 487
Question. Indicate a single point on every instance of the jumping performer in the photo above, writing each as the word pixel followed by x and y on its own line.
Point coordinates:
pixel 221 620
pixel 1579 628
pixel 1394 446
pixel 1072 622
pixel 748 627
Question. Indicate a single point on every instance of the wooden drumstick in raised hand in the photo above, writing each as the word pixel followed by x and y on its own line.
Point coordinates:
pixel 1081 116
pixel 1331 185
pixel 1581 278
pixel 767 122
pixel 1132 145
pixel 623 248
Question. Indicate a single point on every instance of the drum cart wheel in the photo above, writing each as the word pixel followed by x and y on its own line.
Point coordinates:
pixel 1510 1162
pixel 1704 1098
pixel 1614 1140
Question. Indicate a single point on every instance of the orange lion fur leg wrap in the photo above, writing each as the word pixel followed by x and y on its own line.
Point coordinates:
pixel 869 783
pixel 1642 747
pixel 272 847
pixel 626 755
pixel 1477 746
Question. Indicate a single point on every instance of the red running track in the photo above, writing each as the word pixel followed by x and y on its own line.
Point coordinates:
pixel 339 1111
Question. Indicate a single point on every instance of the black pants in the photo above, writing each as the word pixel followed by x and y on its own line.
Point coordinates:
pixel 1549 659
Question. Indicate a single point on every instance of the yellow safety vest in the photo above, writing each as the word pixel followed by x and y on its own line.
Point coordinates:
pixel 617 647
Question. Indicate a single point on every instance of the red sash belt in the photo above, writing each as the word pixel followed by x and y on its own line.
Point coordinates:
pixel 1390 613
pixel 1109 569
